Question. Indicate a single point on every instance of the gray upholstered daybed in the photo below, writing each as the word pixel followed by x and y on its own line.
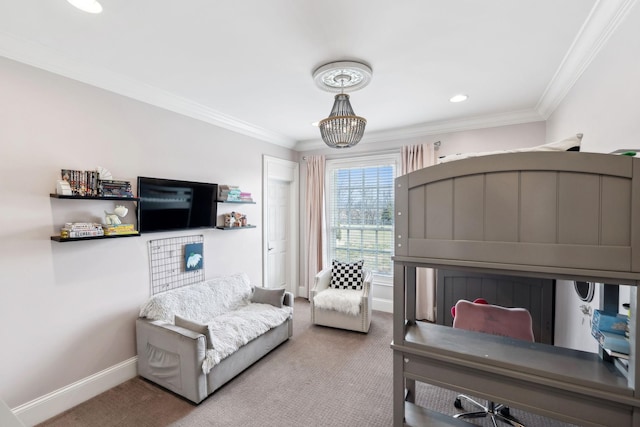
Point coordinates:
pixel 194 339
pixel 566 215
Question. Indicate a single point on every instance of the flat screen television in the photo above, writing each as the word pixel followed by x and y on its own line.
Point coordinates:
pixel 170 204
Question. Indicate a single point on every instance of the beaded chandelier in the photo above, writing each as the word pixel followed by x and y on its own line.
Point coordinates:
pixel 342 129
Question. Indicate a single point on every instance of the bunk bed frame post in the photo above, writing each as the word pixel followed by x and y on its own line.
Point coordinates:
pixel 398 337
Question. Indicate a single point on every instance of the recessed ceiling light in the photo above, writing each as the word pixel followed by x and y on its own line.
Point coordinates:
pixel 316 124
pixel 90 6
pixel 459 98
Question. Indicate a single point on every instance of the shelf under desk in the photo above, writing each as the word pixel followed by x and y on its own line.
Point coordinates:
pixel 556 382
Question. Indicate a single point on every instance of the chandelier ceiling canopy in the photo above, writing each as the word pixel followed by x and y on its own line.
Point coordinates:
pixel 342 129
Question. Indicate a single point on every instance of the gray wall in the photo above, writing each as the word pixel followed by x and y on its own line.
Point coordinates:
pixel 68 309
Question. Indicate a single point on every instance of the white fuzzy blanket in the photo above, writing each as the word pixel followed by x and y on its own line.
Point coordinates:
pixel 223 304
pixel 230 331
pixel 343 300
pixel 200 302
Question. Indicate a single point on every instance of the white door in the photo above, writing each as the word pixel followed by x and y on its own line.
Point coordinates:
pixel 278 207
pixel 280 259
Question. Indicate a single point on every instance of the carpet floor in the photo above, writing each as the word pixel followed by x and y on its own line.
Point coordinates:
pixel 321 377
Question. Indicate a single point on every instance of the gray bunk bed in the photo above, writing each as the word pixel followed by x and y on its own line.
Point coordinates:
pixel 552 215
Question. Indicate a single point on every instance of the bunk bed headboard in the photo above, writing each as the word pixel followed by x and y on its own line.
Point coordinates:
pixel 544 214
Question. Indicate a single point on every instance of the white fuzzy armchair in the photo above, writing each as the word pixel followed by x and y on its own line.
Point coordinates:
pixel 341 308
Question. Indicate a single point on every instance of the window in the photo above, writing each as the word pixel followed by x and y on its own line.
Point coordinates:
pixel 360 211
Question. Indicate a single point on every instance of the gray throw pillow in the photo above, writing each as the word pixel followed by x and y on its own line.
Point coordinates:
pixel 274 297
pixel 195 327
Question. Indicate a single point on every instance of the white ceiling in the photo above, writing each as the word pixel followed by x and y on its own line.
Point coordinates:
pixel 246 65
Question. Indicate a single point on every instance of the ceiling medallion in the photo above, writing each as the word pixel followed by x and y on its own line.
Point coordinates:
pixel 342 76
pixel 342 129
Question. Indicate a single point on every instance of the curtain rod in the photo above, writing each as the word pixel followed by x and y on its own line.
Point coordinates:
pixel 436 147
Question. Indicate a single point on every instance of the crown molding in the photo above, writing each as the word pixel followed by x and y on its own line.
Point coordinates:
pixel 39 56
pixel 436 128
pixel 603 20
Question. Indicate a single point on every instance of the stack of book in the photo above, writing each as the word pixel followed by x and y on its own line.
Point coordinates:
pixel 245 197
pixel 611 332
pixel 229 193
pixel 113 188
pixel 82 183
pixel 81 229
pixel 119 229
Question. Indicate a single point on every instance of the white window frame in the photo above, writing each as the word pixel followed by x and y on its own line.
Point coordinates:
pixel 355 162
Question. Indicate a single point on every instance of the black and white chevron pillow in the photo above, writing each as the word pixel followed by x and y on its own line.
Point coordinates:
pixel 346 275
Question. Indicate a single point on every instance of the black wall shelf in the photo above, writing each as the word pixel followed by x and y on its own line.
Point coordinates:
pixel 238 202
pixel 61 196
pixel 77 239
pixel 236 228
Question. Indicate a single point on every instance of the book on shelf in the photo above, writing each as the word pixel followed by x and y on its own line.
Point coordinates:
pixel 611 341
pixel 114 188
pixel 89 184
pixel 82 183
pixel 81 229
pixel 614 323
pixel 77 226
pixel 119 229
pixel 230 193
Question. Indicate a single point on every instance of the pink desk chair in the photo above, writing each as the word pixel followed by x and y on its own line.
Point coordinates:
pixel 479 316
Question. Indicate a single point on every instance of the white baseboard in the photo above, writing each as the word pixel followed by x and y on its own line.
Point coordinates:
pixel 58 401
pixel 380 304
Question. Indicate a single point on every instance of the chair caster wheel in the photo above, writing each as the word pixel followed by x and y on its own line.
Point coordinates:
pixel 457 403
pixel 504 411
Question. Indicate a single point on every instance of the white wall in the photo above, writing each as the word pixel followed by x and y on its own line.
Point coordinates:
pixel 603 104
pixel 68 309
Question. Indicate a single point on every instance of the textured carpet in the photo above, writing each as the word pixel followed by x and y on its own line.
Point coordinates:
pixel 320 377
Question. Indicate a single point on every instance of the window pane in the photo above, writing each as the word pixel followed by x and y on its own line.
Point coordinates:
pixel 361 214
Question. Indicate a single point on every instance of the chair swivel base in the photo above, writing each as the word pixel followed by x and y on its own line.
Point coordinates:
pixel 496 412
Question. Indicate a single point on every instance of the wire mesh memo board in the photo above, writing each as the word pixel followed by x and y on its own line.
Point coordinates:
pixel 167 263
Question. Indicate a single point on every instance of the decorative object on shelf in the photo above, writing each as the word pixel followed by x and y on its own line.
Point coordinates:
pixel 63 188
pixel 342 129
pixel 103 173
pixel 193 259
pixel 113 225
pixel 235 219
pixel 113 218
